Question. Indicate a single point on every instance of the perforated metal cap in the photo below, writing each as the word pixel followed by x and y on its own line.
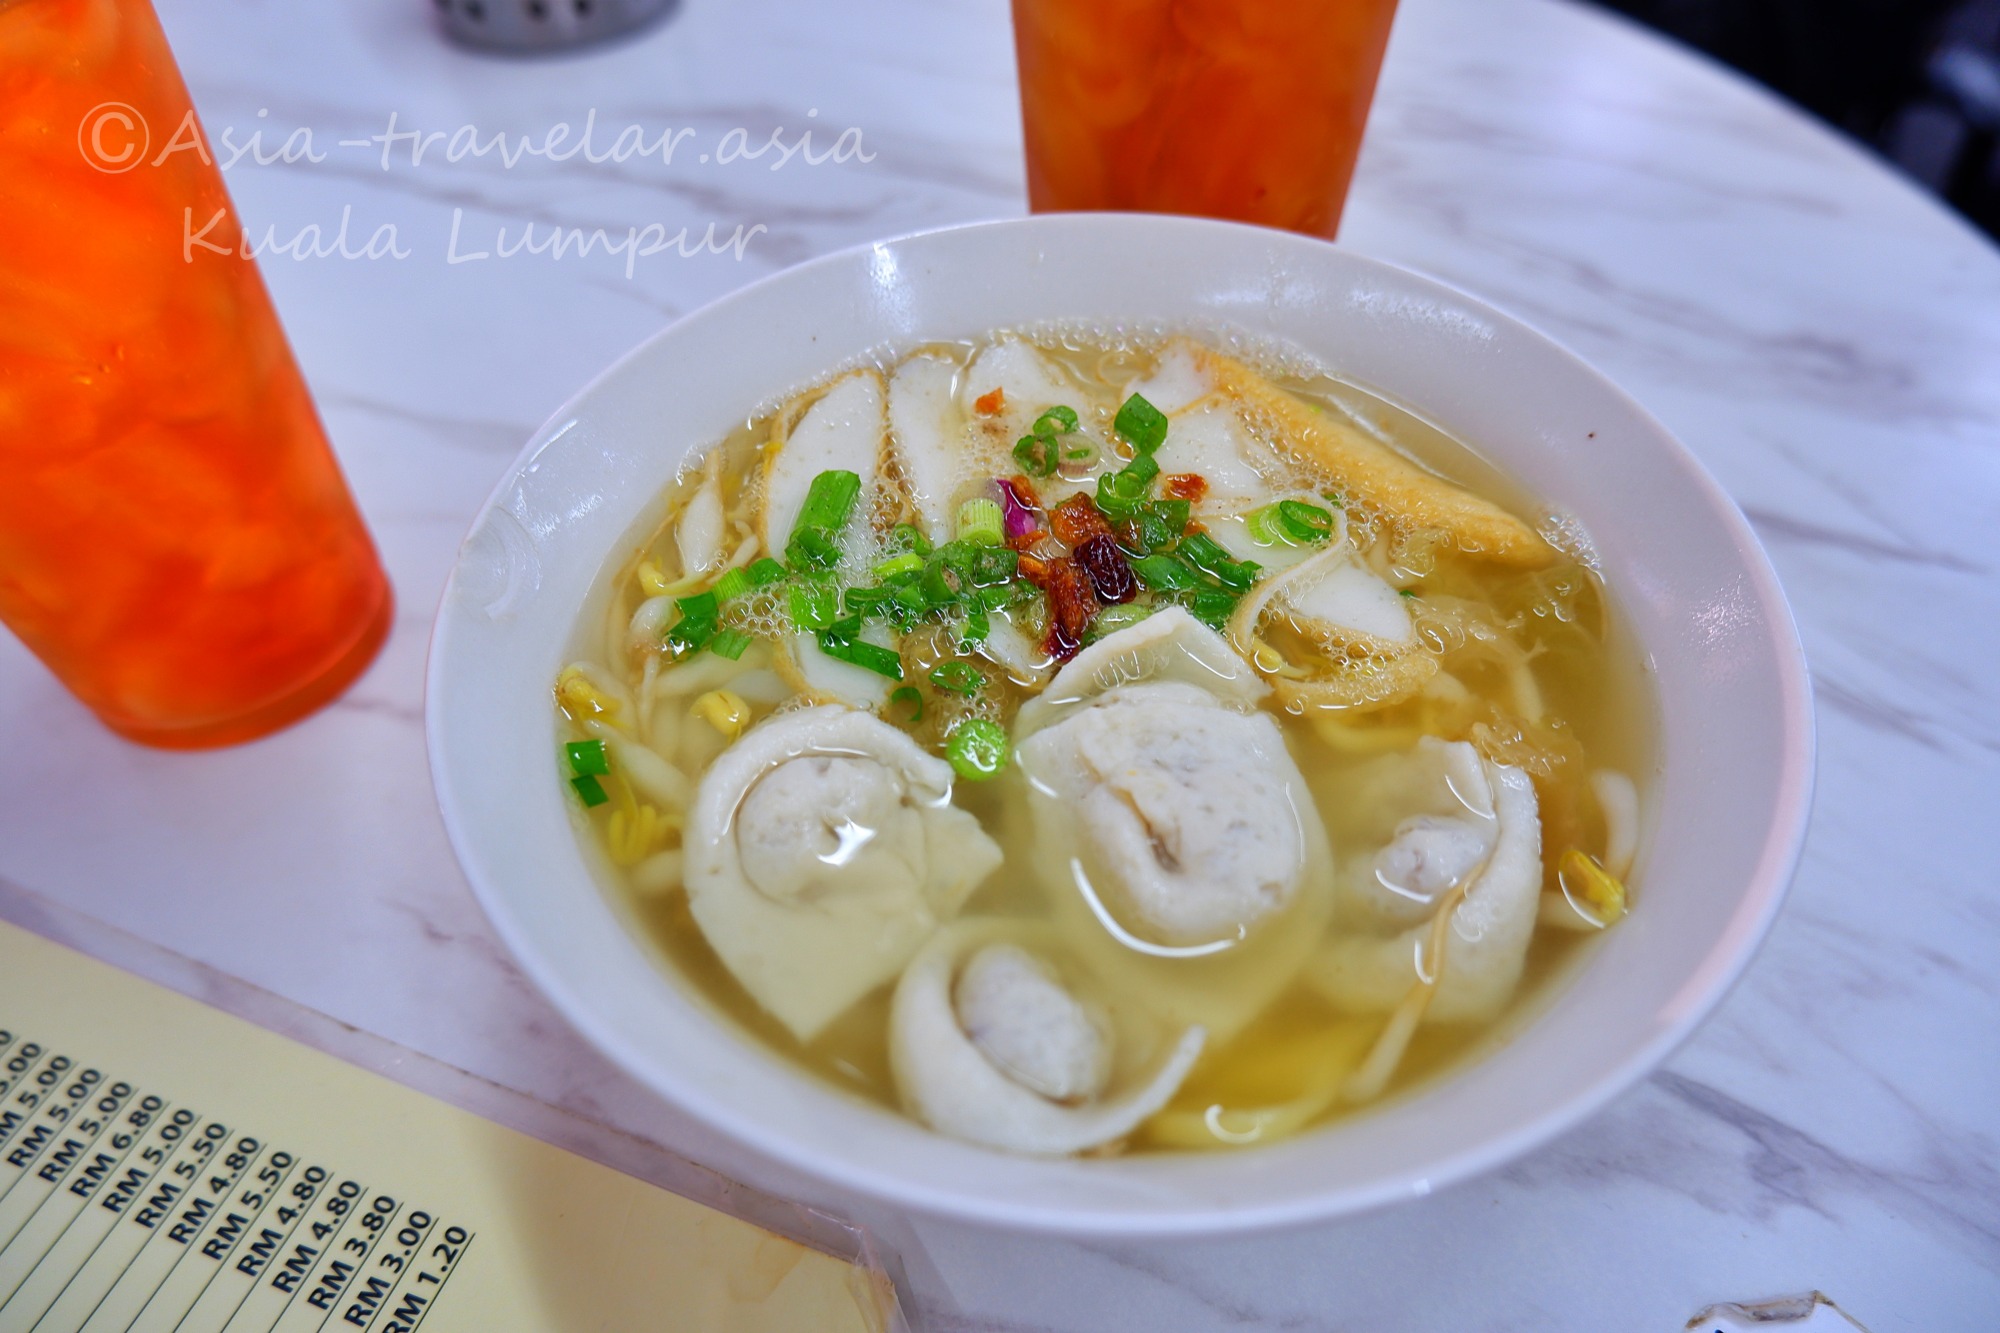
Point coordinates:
pixel 545 25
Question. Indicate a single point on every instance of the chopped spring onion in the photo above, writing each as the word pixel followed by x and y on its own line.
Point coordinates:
pixel 1037 455
pixel 1406 592
pixel 990 566
pixel 813 548
pixel 1142 423
pixel 1144 469
pixel 1163 573
pixel 1333 498
pixel 944 577
pixel 908 537
pixel 869 656
pixel 866 601
pixel 587 758
pixel 977 749
pixel 1262 525
pixel 958 678
pixel 730 643
pixel 909 562
pixel 1304 523
pixel 1206 554
pixel 978 625
pixel 1114 618
pixel 696 625
pixel 1212 606
pixel 910 695
pixel 1290 523
pixel 733 583
pixel 844 628
pixel 1119 494
pixel 1161 522
pixel 690 637
pixel 829 501
pixel 1057 420
pixel 981 522
pixel 590 789
pixel 815 603
pixel 764 571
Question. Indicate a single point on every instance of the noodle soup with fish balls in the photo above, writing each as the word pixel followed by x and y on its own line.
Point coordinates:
pixel 1086 745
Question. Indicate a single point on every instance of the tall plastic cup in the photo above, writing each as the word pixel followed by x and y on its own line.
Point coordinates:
pixel 176 540
pixel 1250 110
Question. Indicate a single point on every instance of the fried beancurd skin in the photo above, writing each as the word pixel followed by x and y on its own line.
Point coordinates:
pixel 1379 477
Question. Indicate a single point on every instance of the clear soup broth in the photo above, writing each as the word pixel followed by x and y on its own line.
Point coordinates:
pixel 1086 744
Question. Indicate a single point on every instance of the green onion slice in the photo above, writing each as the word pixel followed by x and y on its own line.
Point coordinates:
pixel 946 573
pixel 1056 421
pixel 590 789
pixel 1304 523
pixel 866 601
pixel 587 758
pixel 977 749
pixel 910 695
pixel 765 571
pixel 1037 455
pixel 730 643
pixel 978 625
pixel 958 678
pixel 696 625
pixel 1163 573
pixel 909 562
pixel 1206 554
pixel 990 566
pixel 1168 518
pixel 1262 525
pixel 733 583
pixel 1142 423
pixel 1212 606
pixel 1119 495
pixel 981 523
pixel 870 656
pixel 908 537
pixel 1114 618
pixel 829 500
pixel 815 603
pixel 1142 470
pixel 813 548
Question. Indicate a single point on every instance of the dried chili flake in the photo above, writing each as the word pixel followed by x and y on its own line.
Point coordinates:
pixel 990 404
pixel 1185 486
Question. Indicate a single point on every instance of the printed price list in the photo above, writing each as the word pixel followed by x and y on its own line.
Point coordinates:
pixel 122 1212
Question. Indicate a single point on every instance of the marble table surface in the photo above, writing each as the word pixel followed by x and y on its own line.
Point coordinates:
pixel 1825 338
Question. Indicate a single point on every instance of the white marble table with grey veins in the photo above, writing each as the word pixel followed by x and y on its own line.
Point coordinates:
pixel 1825 338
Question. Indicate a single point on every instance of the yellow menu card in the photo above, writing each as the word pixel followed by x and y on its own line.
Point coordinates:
pixel 166 1168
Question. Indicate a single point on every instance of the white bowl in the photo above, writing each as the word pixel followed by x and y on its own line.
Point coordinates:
pixel 1735 716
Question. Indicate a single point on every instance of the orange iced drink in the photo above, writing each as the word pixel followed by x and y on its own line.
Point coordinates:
pixel 176 540
pixel 1244 109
